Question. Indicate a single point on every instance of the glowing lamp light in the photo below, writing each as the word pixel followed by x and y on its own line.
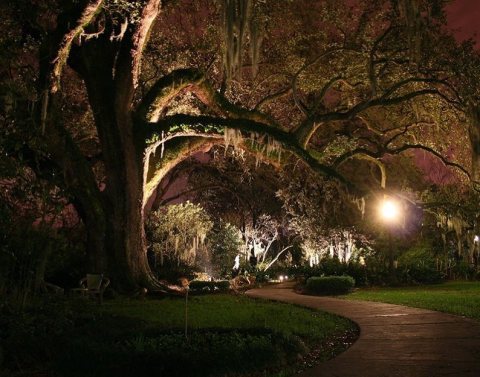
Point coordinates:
pixel 476 239
pixel 389 210
pixel 281 277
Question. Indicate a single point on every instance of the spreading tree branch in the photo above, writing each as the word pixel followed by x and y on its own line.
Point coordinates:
pixel 445 161
pixel 60 60
pixel 130 56
pixel 209 126
pixel 164 90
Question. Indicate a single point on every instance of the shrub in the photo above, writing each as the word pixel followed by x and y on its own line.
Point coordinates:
pixel 417 265
pixel 206 352
pixel 463 270
pixel 422 274
pixel 209 286
pixel 330 285
pixel 333 267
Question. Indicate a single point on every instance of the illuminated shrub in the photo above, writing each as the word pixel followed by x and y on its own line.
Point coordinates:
pixel 330 285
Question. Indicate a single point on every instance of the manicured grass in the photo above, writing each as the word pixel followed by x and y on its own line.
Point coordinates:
pixel 227 336
pixel 227 312
pixel 456 297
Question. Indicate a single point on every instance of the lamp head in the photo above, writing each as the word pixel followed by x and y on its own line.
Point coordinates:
pixel 389 210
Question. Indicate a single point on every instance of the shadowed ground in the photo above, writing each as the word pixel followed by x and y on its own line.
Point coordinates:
pixel 394 340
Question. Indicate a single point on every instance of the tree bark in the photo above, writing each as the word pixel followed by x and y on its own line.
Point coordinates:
pixel 474 134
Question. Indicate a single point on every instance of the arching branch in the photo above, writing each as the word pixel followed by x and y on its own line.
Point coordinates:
pixel 218 125
pixel 365 154
pixel 87 16
pixel 221 105
pixel 306 130
pixel 164 90
pixel 157 166
pixel 445 161
pixel 272 97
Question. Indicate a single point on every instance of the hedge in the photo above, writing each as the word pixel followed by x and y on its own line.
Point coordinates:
pixel 210 286
pixel 330 285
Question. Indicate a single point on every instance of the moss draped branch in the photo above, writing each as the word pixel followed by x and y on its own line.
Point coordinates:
pixel 87 16
pixel 164 90
pixel 209 126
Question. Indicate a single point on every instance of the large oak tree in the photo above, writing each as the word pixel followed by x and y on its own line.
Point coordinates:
pixel 326 82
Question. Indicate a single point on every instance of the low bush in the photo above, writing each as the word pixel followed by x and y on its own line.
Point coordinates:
pixel 330 285
pixel 463 270
pixel 209 286
pixel 417 265
pixel 333 267
pixel 421 274
pixel 206 352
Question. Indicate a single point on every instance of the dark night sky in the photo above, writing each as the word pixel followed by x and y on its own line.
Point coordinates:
pixel 464 18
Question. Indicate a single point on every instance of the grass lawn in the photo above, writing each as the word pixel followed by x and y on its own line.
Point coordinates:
pixel 456 297
pixel 227 336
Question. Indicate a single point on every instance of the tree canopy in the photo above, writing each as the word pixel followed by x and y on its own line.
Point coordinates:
pixel 104 97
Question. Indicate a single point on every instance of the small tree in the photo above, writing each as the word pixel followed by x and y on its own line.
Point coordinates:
pixel 259 239
pixel 178 232
pixel 224 243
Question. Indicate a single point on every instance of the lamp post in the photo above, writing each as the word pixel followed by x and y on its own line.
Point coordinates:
pixel 476 253
pixel 390 213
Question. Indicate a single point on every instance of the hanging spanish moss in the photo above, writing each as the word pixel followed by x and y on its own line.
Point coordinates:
pixel 410 12
pixel 273 148
pixel 240 22
pixel 360 203
pixel 232 137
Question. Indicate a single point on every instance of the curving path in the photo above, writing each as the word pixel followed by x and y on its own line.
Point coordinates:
pixel 394 340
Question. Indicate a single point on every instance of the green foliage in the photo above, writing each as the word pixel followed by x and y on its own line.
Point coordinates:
pixel 205 353
pixel 178 232
pixel 463 270
pixel 330 285
pixel 417 265
pixel 224 243
pixel 227 334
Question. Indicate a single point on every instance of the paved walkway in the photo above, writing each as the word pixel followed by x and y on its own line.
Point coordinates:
pixel 394 340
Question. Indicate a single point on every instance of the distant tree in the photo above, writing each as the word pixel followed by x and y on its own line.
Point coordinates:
pixel 322 216
pixel 224 243
pixel 178 232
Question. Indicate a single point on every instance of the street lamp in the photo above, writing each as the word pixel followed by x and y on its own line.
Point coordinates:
pixel 390 212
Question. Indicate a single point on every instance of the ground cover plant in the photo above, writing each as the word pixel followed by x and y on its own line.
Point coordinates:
pixel 455 297
pixel 227 335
